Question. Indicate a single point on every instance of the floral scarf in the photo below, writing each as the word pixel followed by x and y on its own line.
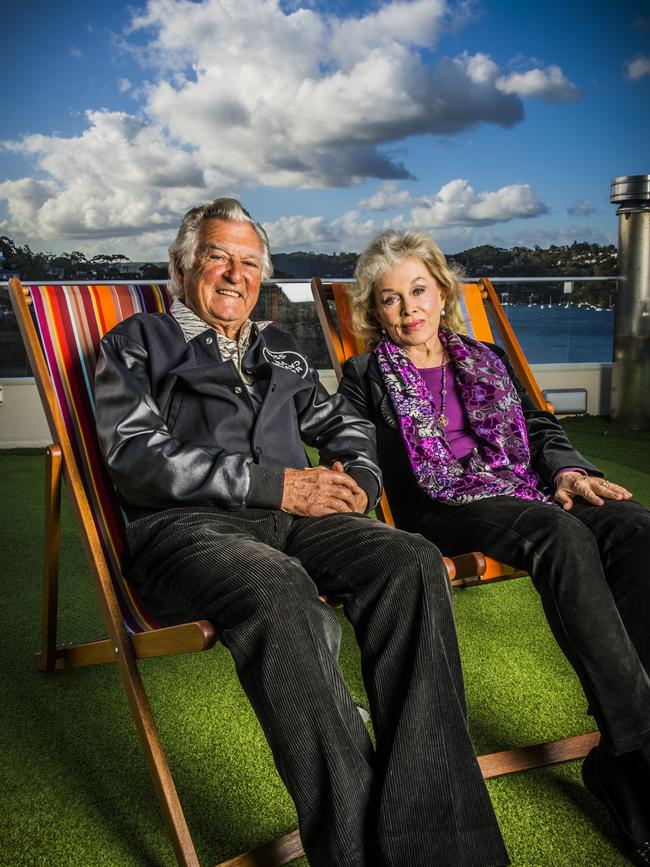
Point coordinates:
pixel 501 462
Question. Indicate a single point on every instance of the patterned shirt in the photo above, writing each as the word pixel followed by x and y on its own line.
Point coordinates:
pixel 230 350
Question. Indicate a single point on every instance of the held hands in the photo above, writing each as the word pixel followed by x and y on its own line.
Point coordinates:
pixel 571 484
pixel 318 491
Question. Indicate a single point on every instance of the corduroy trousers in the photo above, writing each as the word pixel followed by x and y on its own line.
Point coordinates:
pixel 417 798
pixel 591 567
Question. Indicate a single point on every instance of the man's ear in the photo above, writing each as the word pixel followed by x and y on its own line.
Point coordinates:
pixel 177 277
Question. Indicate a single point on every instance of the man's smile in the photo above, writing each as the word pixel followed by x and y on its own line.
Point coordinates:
pixel 231 293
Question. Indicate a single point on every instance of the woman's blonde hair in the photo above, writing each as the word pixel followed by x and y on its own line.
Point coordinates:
pixel 386 251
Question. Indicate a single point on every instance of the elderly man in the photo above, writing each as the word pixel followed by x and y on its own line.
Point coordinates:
pixel 202 415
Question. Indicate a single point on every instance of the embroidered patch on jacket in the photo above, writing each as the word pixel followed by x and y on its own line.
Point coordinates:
pixel 288 360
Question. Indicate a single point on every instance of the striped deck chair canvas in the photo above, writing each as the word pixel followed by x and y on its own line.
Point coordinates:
pixel 71 320
pixel 61 326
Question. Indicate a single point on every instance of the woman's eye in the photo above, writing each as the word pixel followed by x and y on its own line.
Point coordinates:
pixel 418 290
pixel 388 300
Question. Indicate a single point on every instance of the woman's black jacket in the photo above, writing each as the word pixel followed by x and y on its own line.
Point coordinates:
pixel 362 384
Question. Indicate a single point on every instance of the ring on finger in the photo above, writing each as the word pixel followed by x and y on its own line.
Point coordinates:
pixel 604 483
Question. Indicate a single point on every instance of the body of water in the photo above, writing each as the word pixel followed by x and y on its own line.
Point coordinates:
pixel 562 335
pixel 548 335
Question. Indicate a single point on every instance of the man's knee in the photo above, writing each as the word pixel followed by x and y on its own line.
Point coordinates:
pixel 401 555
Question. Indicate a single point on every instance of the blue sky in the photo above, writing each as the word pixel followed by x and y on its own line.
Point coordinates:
pixel 481 121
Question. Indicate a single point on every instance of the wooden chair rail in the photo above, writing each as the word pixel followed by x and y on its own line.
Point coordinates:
pixel 288 848
pixel 166 641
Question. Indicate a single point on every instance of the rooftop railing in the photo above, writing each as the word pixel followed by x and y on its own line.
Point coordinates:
pixel 552 322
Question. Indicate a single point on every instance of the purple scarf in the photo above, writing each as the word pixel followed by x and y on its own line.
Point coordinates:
pixel 501 463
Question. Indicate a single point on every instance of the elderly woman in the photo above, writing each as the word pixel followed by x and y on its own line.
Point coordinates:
pixel 469 462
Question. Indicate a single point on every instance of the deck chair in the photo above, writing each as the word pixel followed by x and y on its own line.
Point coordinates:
pixel 480 306
pixel 476 300
pixel 61 326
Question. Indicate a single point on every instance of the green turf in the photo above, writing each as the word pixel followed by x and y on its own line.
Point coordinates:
pixel 74 786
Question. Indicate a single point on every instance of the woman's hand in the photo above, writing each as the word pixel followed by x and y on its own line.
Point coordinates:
pixel 594 490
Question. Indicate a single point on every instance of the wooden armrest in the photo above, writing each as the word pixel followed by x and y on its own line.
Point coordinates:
pixel 471 565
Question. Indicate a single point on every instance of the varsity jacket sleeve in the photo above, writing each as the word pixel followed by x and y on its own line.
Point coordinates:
pixel 352 386
pixel 550 449
pixel 150 468
pixel 332 424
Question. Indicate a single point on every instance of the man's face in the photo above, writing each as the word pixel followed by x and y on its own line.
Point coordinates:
pixel 224 284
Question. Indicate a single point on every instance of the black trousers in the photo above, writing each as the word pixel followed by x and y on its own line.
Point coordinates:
pixel 591 567
pixel 416 799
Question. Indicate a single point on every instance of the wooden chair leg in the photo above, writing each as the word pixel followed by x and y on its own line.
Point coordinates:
pixel 538 756
pixel 46 659
pixel 284 850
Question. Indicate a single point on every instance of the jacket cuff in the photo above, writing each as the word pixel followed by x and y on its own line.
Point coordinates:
pixel 369 482
pixel 569 470
pixel 266 487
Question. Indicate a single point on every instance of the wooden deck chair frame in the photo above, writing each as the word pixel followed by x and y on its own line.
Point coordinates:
pixel 478 301
pixel 121 647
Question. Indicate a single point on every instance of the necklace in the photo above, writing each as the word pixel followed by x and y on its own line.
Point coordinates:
pixel 443 421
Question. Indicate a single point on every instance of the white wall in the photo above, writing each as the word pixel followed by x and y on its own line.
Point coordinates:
pixel 22 421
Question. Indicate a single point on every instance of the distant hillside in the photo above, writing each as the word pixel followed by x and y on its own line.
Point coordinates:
pixel 314 264
pixel 575 259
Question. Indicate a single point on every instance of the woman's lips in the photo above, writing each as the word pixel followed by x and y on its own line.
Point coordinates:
pixel 412 326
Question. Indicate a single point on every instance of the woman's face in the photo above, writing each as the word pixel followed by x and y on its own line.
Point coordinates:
pixel 408 301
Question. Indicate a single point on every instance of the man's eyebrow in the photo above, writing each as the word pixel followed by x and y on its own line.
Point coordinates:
pixel 212 245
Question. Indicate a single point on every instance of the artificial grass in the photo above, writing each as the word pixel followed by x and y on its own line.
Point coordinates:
pixel 74 785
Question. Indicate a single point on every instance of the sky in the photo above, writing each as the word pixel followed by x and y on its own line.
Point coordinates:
pixel 478 121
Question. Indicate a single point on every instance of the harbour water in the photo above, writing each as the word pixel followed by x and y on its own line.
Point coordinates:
pixel 555 334
pixel 561 334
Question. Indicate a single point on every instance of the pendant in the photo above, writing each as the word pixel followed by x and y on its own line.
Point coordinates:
pixel 443 421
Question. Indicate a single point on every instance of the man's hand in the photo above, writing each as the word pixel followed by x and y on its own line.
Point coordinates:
pixel 570 485
pixel 317 491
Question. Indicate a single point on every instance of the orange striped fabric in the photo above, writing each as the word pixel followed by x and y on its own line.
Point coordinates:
pixel 71 320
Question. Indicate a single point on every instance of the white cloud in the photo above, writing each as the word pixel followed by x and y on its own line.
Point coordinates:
pixel 550 84
pixel 417 23
pixel 124 85
pixel 458 204
pixel 251 92
pixel 120 177
pixel 317 233
pixel 453 213
pixel 389 196
pixel 582 208
pixel 637 68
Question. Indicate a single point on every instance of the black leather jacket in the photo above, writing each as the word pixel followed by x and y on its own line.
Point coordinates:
pixel 362 384
pixel 177 425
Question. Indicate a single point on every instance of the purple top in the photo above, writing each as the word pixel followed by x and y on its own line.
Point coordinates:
pixel 458 432
pixel 500 463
